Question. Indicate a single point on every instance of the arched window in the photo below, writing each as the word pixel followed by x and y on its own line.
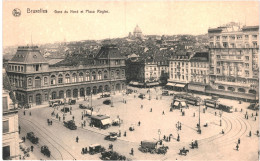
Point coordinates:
pixel 252 91
pixel 68 93
pixel 75 93
pixel 45 80
pixel 106 88
pixel 61 94
pixel 53 80
pixel 99 75
pixel 94 90
pixel 53 95
pixel 67 78
pixel 93 75
pixel 105 75
pixel 88 91
pixel 117 73
pixel 221 87
pixel 60 78
pixel 242 90
pixel 74 78
pixel 87 76
pixel 30 81
pixel 80 77
pixel 231 89
pixel 118 87
pixel 100 89
pixel 82 92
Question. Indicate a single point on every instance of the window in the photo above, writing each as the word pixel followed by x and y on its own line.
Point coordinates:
pixel 30 99
pixel 218 63
pixel 80 77
pixel 46 97
pixel 60 79
pixel 247 73
pixel 30 81
pixel 93 75
pixel 99 75
pixel 74 78
pixel 6 153
pixel 5 104
pixel 239 37
pixel 6 126
pixel 15 68
pixel 218 56
pixel 117 74
pixel 183 77
pixel 87 76
pixel 18 68
pixel 36 67
pixel 67 78
pixel 123 73
pixel 53 80
pixel 225 44
pixel 246 37
pixel 254 37
pixel 255 44
pixel 217 37
pixel 247 57
pixel 218 71
pixel 247 65
pixel 22 69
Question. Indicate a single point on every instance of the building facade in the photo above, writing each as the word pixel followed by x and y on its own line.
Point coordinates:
pixel 234 59
pixel 10 137
pixel 37 82
pixel 189 71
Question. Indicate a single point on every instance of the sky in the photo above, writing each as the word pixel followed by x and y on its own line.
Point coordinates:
pixel 154 18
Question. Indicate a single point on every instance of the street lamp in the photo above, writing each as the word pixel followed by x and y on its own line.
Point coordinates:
pixel 199 129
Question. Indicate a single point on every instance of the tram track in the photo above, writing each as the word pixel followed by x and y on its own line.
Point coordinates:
pixel 50 137
pixel 41 140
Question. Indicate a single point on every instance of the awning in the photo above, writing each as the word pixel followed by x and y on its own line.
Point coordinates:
pixel 106 122
pixel 131 82
pixel 196 87
pixel 170 84
pixel 176 103
pixel 153 84
pixel 180 85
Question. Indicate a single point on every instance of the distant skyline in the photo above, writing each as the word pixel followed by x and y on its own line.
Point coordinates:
pixel 154 18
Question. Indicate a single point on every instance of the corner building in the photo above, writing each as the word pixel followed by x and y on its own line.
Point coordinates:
pixel 36 82
pixel 234 67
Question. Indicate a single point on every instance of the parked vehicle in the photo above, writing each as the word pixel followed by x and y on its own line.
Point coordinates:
pixel 70 124
pixel 96 148
pixel 254 106
pixel 104 95
pixel 112 155
pixel 45 150
pixel 142 96
pixel 225 108
pixel 152 147
pixel 56 102
pixel 112 136
pixel 72 101
pixel 30 136
pixel 81 106
pixel 107 102
pixel 116 122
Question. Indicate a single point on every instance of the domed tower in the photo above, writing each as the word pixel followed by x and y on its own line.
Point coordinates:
pixel 137 32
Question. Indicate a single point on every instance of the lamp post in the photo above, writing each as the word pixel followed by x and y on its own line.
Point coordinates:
pixel 199 129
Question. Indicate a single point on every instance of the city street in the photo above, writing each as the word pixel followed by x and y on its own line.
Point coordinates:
pixel 213 145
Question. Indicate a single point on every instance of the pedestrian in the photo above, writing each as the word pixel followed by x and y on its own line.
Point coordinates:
pixel 82 151
pixel 132 151
pixel 32 148
pixel 73 118
pixel 30 113
pixel 194 114
pixel 238 141
pixel 57 115
pixel 169 138
pixel 70 112
pixel 84 123
pixel 178 137
pixel 246 116
pixel 255 118
pixel 19 129
pixel 180 126
pixel 215 113
pixel 23 139
pixel 220 122
pixel 77 139
pixel 59 118
pixel 125 134
pixel 81 125
pixel 246 112
pixel 139 123
pixel 51 122
pixel 23 112
pixel 151 110
pixel 256 114
pixel 82 117
pixel 237 147
pixel 63 118
pixel 252 115
pixel 223 131
pixel 257 132
pixel 70 108
pixel 86 150
pixel 119 133
pixel 163 113
pixel 164 137
pixel 249 133
pixel 141 106
pixel 192 144
pixel 241 110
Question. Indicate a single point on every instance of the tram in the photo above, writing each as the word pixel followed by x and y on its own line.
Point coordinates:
pixel 225 108
pixel 212 103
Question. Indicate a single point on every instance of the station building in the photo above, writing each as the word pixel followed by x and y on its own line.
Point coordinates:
pixel 36 81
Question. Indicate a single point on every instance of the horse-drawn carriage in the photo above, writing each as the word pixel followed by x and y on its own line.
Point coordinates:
pixel 30 136
pixel 151 146
pixel 184 151
pixel 45 151
pixel 112 155
pixel 112 136
pixel 195 144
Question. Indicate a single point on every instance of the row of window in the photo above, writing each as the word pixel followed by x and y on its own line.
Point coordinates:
pixel 16 68
pixel 234 37
pixel 233 45
pixel 76 78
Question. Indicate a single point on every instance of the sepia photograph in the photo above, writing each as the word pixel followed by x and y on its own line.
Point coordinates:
pixel 130 80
